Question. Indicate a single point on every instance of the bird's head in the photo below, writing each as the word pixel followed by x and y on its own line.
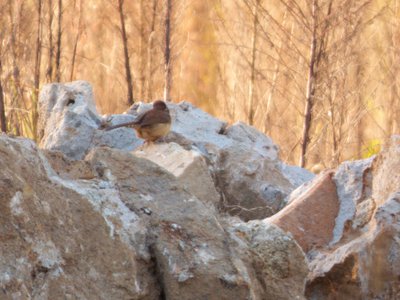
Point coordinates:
pixel 159 105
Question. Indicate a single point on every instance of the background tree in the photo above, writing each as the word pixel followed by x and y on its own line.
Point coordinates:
pixel 124 37
pixel 50 46
pixel 3 120
pixel 59 41
pixel 38 60
pixel 167 51
pixel 77 37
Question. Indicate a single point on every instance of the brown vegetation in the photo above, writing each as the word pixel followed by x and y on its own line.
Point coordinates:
pixel 319 77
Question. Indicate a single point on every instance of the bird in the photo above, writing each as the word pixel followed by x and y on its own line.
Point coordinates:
pixel 150 125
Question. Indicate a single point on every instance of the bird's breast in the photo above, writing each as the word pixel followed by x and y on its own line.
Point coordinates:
pixel 153 132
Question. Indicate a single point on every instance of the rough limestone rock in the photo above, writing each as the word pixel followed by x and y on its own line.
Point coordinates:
pixel 185 239
pixel 188 166
pixel 69 122
pixel 55 243
pixel 353 186
pixel 279 263
pixel 318 199
pixel 253 187
pixel 365 267
pixel 386 168
pixel 348 223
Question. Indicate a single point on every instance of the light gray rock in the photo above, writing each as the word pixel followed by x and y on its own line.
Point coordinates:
pixel 255 140
pixel 64 237
pixel 296 175
pixel 68 121
pixel 67 118
pixel 198 126
pixel 280 264
pixel 386 166
pixel 352 186
pixel 253 187
pixel 185 240
pixel 188 166
pixel 364 263
pixel 365 267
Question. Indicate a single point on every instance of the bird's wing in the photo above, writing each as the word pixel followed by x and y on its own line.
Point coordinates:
pixel 154 117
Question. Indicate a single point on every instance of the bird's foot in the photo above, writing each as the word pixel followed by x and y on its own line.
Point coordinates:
pixel 160 140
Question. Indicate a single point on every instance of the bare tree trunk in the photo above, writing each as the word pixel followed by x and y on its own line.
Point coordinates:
pixel 16 94
pixel 59 37
pixel 393 71
pixel 38 59
pixel 3 121
pixel 142 50
pixel 49 71
pixel 38 52
pixel 335 143
pixel 253 63
pixel 149 94
pixel 167 52
pixel 310 89
pixel 361 109
pixel 128 72
pixel 78 35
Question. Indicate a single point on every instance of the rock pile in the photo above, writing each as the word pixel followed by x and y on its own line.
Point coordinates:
pixel 211 213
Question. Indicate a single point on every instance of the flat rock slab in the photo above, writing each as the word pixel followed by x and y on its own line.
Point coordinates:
pixel 311 216
pixel 188 166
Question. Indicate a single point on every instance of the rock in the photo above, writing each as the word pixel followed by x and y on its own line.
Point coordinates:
pixel 334 199
pixel 186 240
pixel 348 223
pixel 352 187
pixel 55 98
pixel 198 126
pixel 367 266
pixel 68 121
pixel 244 134
pixel 253 187
pixel 68 168
pixel 363 259
pixel 386 166
pixel 296 175
pixel 311 216
pixel 279 263
pixel 188 166
pixel 54 244
pixel 191 123
pixel 364 213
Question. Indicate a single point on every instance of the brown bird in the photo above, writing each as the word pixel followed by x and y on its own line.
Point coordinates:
pixel 152 124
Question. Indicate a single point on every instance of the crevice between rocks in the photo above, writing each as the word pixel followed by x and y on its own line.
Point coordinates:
pixel 157 271
pixel 341 281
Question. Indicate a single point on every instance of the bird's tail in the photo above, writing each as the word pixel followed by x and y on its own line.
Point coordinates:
pixel 131 124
